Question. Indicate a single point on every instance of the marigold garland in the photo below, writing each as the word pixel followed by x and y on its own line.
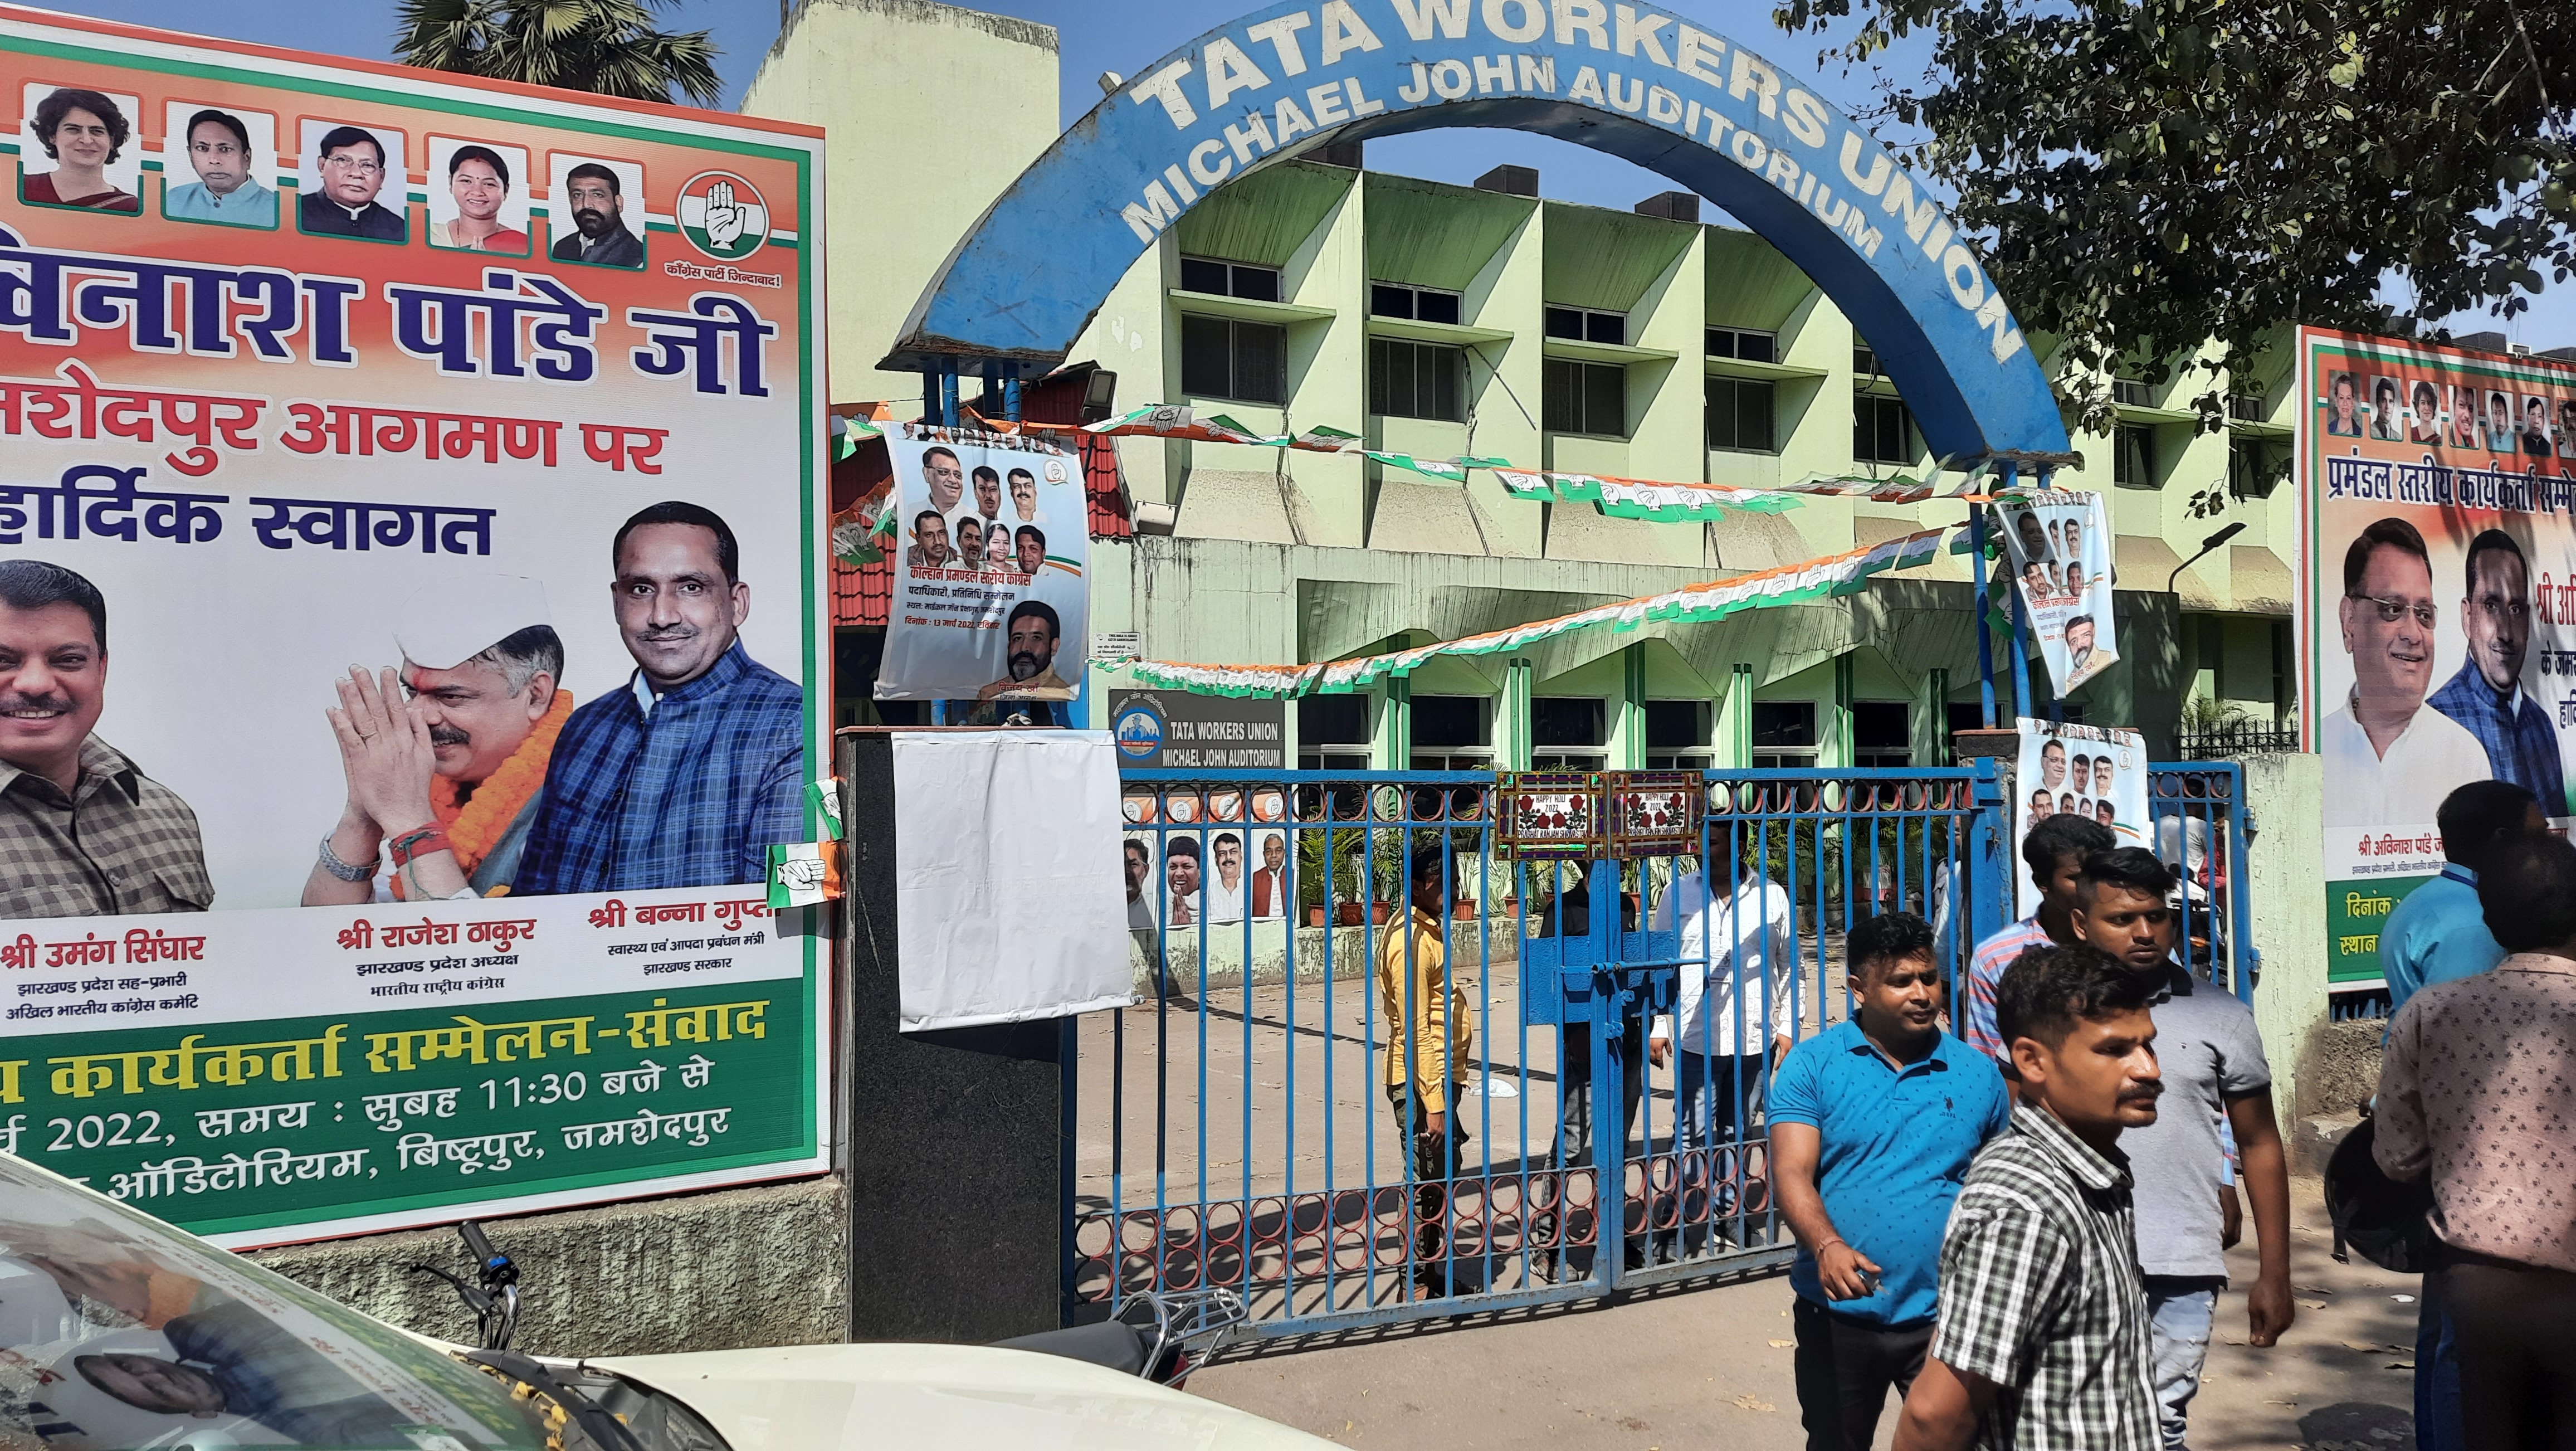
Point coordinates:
pixel 476 826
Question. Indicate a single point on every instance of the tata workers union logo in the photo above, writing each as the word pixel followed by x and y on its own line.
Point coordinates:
pixel 722 215
pixel 1138 730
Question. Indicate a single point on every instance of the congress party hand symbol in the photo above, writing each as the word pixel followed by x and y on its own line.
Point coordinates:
pixel 724 219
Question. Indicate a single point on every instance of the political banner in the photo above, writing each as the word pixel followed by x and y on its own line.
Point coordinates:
pixel 2096 772
pixel 2059 543
pixel 409 545
pixel 2437 489
pixel 991 597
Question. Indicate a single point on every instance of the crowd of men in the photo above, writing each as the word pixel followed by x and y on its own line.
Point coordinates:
pixel 2013 1212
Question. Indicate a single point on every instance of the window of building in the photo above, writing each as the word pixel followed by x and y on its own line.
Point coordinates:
pixel 1244 362
pixel 1332 733
pixel 1416 380
pixel 1415 304
pixel 1784 733
pixel 1882 736
pixel 1229 279
pixel 1677 735
pixel 1883 431
pixel 1865 363
pixel 2247 407
pixel 1587 325
pixel 1740 415
pixel 2133 456
pixel 1585 397
pixel 2253 470
pixel 1569 733
pixel 1743 344
pixel 1453 733
pixel 2132 393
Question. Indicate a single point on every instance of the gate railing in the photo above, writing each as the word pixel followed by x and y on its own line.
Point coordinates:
pixel 1234 1128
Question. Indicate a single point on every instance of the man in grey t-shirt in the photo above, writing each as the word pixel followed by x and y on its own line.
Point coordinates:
pixel 2213 1064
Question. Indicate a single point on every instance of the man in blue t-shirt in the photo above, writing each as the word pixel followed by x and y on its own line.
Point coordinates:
pixel 1873 1122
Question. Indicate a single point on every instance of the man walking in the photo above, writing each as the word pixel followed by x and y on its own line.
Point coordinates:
pixel 1737 954
pixel 2475 1096
pixel 2212 1065
pixel 1430 1042
pixel 2439 934
pixel 1873 1124
pixel 2042 1340
pixel 2054 851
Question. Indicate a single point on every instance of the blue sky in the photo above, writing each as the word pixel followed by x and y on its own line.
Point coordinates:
pixel 1122 35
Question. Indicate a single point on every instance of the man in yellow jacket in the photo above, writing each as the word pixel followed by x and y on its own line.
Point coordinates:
pixel 1429 1050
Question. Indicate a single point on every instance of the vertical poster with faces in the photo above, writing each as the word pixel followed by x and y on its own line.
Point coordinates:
pixel 2059 545
pixel 2437 631
pixel 991 590
pixel 2098 773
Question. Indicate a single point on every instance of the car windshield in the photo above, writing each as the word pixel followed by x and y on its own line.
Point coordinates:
pixel 117 1330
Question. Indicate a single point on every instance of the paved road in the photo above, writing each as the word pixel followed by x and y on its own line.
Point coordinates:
pixel 1712 1367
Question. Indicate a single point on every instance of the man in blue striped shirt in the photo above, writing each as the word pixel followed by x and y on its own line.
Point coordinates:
pixel 687 777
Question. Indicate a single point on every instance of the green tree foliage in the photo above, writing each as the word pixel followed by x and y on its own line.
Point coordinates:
pixel 2150 174
pixel 609 47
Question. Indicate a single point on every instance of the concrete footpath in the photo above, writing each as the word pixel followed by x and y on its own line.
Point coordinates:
pixel 1690 1368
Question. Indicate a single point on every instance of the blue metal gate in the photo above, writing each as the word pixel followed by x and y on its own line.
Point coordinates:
pixel 1234 1128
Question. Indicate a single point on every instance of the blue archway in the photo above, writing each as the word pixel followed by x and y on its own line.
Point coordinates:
pixel 1627 79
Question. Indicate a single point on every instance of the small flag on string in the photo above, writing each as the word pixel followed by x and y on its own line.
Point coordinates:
pixel 804 873
pixel 825 797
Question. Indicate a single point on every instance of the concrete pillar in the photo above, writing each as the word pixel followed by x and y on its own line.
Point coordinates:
pixel 1394 746
pixel 1838 747
pixel 1930 736
pixel 2286 863
pixel 1734 747
pixel 1628 731
pixel 959 1154
pixel 1512 723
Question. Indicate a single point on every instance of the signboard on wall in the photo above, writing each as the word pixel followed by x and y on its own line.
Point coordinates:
pixel 508 400
pixel 2437 489
pixel 1181 731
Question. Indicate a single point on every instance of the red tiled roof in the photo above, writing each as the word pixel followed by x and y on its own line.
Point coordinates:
pixel 859 595
pixel 1102 483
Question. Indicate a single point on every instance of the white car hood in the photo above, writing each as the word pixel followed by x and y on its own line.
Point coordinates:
pixel 888 1397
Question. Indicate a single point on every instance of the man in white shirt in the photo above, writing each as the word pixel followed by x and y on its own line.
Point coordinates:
pixel 1737 957
pixel 1225 894
pixel 2392 762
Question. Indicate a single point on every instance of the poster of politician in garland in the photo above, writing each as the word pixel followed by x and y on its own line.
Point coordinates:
pixel 2440 517
pixel 407 622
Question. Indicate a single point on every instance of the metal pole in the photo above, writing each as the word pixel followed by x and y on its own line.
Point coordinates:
pixel 948 400
pixel 1985 637
pixel 1011 394
pixel 2020 629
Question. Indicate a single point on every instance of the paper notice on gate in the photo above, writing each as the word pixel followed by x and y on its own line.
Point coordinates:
pixel 1008 903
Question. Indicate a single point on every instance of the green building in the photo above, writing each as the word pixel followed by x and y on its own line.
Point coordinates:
pixel 1441 320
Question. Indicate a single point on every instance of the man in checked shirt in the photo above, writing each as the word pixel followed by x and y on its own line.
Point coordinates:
pixel 2043 1338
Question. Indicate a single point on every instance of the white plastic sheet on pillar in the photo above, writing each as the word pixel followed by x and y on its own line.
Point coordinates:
pixel 1008 898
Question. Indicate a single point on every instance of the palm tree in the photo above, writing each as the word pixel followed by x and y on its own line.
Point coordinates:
pixel 605 46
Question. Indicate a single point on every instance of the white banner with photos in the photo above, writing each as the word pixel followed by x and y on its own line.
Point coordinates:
pixel 2059 541
pixel 2096 772
pixel 991 594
